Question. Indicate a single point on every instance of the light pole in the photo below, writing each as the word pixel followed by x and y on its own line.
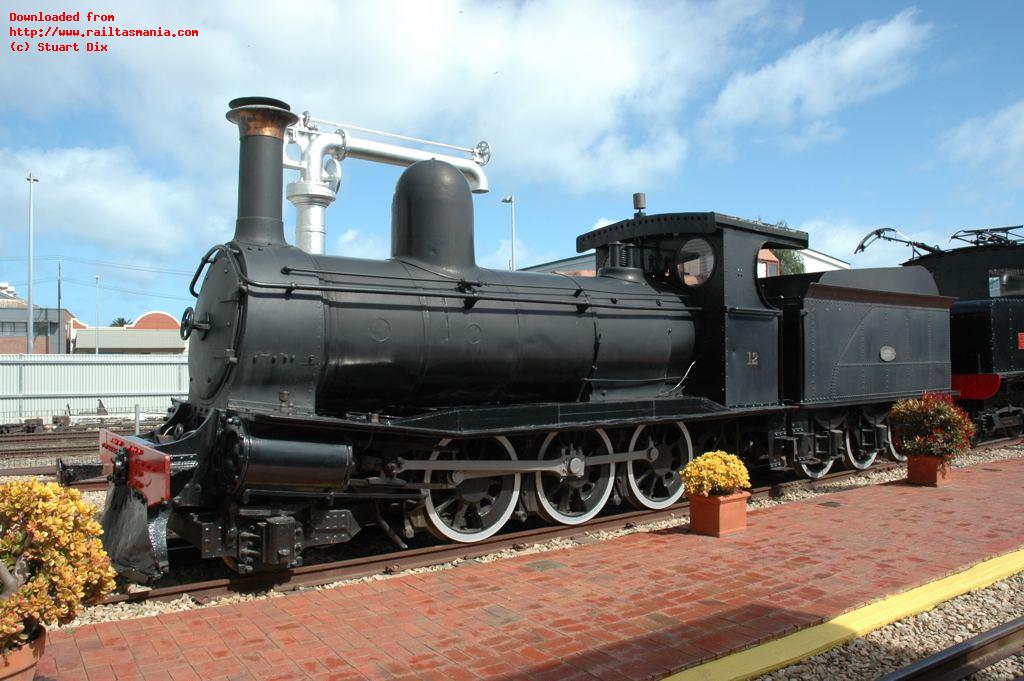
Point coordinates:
pixel 30 331
pixel 97 332
pixel 511 200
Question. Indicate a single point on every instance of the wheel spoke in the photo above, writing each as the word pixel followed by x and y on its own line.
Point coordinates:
pixel 445 504
pixel 459 519
pixel 477 507
pixel 656 484
pixel 574 499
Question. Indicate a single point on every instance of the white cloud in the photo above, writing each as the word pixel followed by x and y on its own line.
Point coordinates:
pixel 355 244
pixel 103 197
pixel 601 222
pixel 816 132
pixel 817 79
pixel 559 87
pixel 994 143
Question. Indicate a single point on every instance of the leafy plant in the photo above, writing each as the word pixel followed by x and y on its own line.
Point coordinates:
pixel 790 262
pixel 715 473
pixel 51 559
pixel 931 426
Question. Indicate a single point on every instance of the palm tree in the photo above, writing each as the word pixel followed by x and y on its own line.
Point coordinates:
pixel 121 321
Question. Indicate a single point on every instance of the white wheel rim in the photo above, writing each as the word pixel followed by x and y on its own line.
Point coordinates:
pixel 440 526
pixel 890 448
pixel 813 473
pixel 634 488
pixel 851 459
pixel 553 513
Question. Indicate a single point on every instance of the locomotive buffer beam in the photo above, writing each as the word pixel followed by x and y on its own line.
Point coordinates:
pixel 571 464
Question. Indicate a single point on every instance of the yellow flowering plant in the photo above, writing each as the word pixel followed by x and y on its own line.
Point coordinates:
pixel 715 473
pixel 51 559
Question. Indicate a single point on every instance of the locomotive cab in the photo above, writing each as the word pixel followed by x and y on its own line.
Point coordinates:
pixel 711 259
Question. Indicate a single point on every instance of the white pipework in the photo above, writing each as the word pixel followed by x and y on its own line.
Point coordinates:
pixel 318 187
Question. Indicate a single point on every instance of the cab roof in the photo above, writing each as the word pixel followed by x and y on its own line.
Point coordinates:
pixel 688 223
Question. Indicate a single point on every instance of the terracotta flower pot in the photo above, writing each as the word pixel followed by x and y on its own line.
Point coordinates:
pixel 929 471
pixel 717 516
pixel 20 664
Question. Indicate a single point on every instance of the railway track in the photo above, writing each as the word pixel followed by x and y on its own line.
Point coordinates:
pixel 65 435
pixel 396 561
pixel 88 485
pixel 66 450
pixel 36 438
pixel 967 657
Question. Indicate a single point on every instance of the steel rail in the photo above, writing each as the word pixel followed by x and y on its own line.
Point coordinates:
pixel 91 435
pixel 967 657
pixel 76 450
pixel 87 485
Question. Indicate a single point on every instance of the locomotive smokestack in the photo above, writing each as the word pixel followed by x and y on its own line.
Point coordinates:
pixel 261 125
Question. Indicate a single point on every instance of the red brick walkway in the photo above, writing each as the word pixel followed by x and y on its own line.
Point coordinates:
pixel 635 607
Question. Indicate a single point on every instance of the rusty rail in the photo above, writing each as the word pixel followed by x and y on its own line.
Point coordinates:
pixel 967 657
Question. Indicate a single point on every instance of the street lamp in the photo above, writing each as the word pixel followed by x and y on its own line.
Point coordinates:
pixel 97 332
pixel 511 200
pixel 30 331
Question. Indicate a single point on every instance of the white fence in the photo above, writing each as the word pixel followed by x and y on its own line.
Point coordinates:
pixel 42 386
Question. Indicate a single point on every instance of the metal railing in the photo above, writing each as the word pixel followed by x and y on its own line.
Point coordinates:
pixel 83 386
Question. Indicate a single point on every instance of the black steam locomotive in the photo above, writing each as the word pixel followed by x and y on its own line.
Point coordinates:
pixel 424 392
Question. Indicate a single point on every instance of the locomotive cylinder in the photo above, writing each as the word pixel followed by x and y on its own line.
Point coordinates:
pixel 269 463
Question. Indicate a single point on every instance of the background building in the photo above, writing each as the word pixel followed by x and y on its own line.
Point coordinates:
pixel 154 332
pixel 50 326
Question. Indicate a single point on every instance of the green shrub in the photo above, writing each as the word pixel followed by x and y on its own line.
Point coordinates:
pixel 931 426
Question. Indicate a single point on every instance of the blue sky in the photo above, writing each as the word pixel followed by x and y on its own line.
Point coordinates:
pixel 836 117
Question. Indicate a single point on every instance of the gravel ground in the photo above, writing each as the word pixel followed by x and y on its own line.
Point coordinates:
pixel 915 638
pixel 129 611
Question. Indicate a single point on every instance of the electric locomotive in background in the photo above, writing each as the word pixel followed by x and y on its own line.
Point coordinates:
pixel 424 392
pixel 987 321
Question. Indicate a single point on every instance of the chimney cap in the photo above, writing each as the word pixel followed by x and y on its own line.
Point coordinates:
pixel 258 101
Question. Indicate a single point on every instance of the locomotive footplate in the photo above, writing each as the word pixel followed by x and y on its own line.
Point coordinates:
pixel 462 422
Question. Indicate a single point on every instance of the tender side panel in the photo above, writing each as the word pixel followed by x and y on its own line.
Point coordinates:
pixel 873 345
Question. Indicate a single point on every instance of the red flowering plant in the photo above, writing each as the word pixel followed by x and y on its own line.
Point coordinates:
pixel 931 426
pixel 51 559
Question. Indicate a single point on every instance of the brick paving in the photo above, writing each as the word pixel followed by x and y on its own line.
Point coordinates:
pixel 634 607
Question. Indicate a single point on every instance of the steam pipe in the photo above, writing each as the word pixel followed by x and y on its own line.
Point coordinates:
pixel 313 193
pixel 261 125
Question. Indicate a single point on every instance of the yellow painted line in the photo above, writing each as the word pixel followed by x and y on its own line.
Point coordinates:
pixel 784 651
